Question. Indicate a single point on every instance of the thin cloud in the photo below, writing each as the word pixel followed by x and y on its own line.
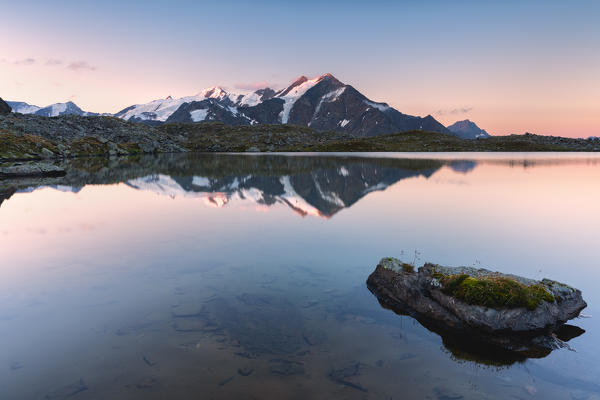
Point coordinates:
pixel 25 61
pixel 81 66
pixel 252 85
pixel 455 111
pixel 52 62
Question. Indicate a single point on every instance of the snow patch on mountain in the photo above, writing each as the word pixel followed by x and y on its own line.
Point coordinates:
pixel 330 97
pixel 290 96
pixel 379 106
pixel 250 100
pixel 198 115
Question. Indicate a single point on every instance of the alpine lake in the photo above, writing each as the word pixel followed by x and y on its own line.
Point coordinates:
pixel 218 276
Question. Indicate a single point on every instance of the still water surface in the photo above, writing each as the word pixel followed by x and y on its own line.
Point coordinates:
pixel 241 276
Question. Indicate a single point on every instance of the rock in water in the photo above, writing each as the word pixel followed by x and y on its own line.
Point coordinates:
pixel 30 169
pixel 4 108
pixel 512 312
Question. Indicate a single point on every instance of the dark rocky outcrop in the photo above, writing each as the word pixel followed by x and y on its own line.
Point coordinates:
pixel 267 112
pixel 4 108
pixel 34 137
pixel 435 297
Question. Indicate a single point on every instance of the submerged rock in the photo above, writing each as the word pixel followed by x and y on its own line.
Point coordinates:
pixel 260 324
pixel 509 311
pixel 67 391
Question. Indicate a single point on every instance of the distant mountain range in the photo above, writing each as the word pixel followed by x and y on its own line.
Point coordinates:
pixel 322 103
pixel 52 110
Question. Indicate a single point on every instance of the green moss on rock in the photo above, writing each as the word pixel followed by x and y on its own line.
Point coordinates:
pixel 17 146
pixel 88 146
pixel 494 291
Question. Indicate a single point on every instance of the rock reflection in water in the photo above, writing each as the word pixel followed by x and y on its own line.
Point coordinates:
pixel 469 347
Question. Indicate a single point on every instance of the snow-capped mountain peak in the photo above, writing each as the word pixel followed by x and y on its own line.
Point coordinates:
pixel 299 81
pixel 215 92
pixel 323 103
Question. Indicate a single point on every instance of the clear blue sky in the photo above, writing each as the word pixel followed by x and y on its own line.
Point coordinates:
pixel 511 66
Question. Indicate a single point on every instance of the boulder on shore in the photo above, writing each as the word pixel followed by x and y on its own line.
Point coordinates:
pixel 509 311
pixel 30 169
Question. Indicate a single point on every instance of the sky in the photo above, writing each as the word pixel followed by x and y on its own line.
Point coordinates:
pixel 511 66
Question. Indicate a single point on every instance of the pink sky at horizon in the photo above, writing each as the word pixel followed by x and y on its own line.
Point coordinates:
pixel 532 75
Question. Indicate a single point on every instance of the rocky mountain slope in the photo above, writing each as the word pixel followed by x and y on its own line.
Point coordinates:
pixel 467 130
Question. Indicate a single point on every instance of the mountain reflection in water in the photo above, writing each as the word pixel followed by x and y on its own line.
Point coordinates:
pixel 308 185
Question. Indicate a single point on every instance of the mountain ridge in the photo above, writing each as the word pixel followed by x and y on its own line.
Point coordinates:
pixel 52 110
pixel 323 103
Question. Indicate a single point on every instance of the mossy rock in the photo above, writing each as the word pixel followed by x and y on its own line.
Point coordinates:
pixel 494 291
pixel 467 298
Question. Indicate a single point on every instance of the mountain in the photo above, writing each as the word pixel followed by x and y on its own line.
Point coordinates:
pixel 467 130
pixel 62 109
pixel 22 107
pixel 52 110
pixel 322 103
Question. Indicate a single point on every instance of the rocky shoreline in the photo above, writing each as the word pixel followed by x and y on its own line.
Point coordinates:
pixel 32 137
pixel 505 311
